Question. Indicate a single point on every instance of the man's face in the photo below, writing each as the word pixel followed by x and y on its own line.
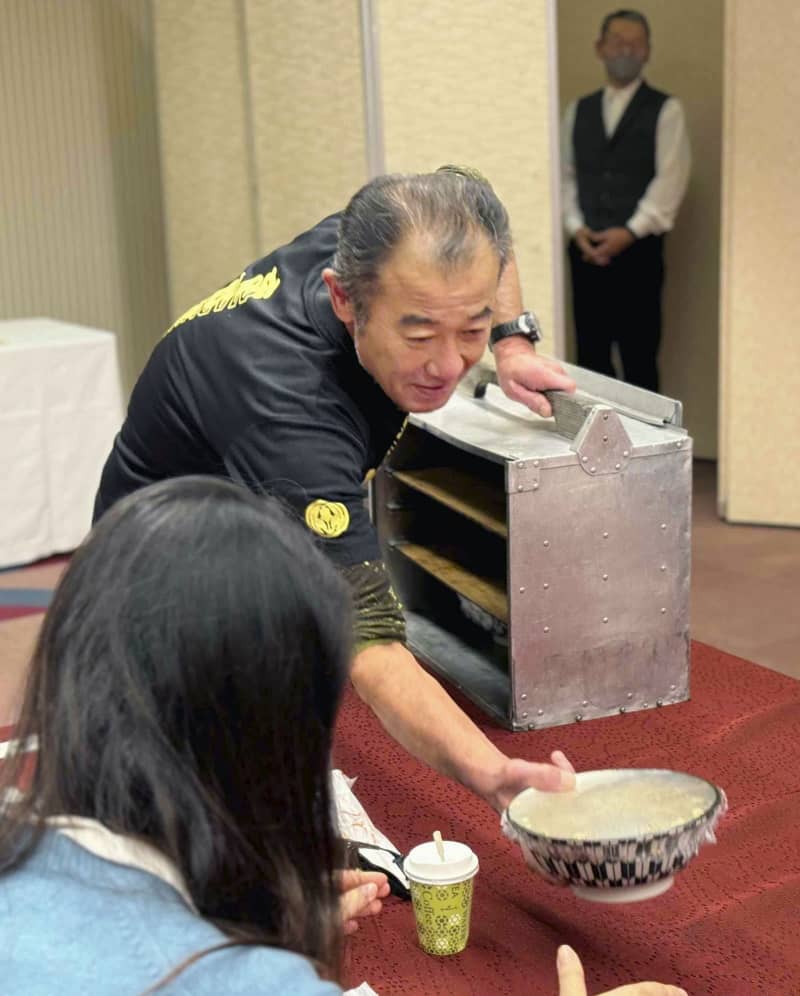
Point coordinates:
pixel 624 50
pixel 426 327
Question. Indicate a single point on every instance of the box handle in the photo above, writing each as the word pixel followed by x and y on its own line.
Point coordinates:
pixel 571 410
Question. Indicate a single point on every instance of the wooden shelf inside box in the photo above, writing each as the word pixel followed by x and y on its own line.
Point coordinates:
pixel 476 499
pixel 486 593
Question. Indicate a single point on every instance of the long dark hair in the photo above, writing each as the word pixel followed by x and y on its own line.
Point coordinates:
pixel 184 689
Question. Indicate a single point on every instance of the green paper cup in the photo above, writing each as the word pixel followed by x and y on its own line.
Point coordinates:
pixel 441 892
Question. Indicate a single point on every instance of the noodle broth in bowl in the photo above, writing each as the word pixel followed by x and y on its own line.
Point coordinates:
pixel 621 835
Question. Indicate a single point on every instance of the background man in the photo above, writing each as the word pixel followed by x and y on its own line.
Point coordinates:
pixel 296 378
pixel 626 160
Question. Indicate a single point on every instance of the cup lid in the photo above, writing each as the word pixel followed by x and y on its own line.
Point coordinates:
pixel 424 864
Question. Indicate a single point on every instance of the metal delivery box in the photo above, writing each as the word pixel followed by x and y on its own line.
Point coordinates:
pixel 543 564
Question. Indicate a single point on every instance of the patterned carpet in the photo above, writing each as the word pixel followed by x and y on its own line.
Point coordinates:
pixel 25 593
pixel 728 927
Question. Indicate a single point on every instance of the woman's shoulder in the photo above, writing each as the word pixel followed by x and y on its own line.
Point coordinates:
pixel 260 971
pixel 130 926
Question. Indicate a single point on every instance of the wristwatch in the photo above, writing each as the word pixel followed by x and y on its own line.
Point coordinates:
pixel 526 325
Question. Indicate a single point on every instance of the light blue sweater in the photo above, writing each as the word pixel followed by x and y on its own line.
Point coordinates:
pixel 74 924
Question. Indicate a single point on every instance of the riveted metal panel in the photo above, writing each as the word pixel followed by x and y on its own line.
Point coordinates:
pixel 544 568
pixel 599 591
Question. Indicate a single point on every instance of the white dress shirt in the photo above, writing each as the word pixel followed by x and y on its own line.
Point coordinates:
pixel 656 210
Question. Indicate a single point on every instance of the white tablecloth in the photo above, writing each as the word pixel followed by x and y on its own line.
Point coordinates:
pixel 60 408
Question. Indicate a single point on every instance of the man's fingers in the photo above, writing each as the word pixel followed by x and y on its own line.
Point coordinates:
pixel 521 774
pixel 560 760
pixel 534 400
pixel 558 381
pixel 570 973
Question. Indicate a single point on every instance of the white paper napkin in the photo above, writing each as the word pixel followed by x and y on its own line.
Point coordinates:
pixel 355 824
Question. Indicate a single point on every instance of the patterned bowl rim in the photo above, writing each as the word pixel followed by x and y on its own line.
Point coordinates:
pixel 715 809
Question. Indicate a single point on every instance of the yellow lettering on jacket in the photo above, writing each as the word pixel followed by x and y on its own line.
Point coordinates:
pixel 261 287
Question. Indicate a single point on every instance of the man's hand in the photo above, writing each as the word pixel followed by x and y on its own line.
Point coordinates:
pixel 599 248
pixel 571 981
pixel 362 893
pixel 610 243
pixel 514 775
pixel 523 375
pixel 585 241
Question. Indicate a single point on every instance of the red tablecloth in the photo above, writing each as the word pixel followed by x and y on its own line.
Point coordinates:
pixel 730 926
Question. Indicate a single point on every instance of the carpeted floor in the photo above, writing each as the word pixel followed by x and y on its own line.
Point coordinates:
pixel 25 593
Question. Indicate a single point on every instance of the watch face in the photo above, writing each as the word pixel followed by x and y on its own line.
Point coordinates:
pixel 529 323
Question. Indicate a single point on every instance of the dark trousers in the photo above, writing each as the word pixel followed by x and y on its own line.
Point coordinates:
pixel 620 303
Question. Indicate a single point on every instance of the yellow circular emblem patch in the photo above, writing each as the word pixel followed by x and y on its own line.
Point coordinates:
pixel 327 518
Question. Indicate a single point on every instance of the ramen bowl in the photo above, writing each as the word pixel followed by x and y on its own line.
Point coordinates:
pixel 621 835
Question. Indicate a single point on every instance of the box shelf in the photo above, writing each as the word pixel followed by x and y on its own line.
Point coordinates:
pixel 487 593
pixel 461 492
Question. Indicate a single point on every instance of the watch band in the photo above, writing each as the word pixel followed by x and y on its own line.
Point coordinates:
pixel 526 325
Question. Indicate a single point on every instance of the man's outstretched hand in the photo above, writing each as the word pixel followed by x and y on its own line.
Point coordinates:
pixel 514 775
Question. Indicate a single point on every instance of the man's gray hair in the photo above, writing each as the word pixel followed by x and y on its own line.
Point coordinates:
pixel 454 206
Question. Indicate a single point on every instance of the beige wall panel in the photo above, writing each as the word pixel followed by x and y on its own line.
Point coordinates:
pixel 305 83
pixel 81 234
pixel 466 81
pixel 687 62
pixel 761 290
pixel 206 155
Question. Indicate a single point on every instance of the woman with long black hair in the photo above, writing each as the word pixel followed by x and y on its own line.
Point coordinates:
pixel 177 833
pixel 184 690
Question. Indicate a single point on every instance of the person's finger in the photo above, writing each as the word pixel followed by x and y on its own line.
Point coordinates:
pixel 645 989
pixel 350 878
pixel 521 774
pixel 571 981
pixel 550 379
pixel 592 255
pixel 560 760
pixel 534 400
pixel 357 902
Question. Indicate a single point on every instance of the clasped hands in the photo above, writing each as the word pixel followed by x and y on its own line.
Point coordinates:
pixel 599 248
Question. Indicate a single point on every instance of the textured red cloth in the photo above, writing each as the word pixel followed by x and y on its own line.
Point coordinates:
pixel 730 925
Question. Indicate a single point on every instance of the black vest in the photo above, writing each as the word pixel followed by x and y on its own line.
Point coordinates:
pixel 612 174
